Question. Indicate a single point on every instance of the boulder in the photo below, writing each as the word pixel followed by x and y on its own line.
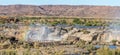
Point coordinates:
pixel 70 33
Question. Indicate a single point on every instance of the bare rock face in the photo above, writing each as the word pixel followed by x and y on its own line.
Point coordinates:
pixel 76 33
pixel 85 36
pixel 70 33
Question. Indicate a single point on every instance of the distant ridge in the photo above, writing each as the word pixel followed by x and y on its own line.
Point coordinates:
pixel 60 10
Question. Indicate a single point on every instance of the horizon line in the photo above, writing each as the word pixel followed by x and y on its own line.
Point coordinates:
pixel 59 4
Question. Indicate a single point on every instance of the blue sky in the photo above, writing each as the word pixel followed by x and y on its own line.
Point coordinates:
pixel 62 2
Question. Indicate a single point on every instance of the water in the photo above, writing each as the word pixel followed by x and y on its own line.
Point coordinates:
pixel 110 46
pixel 114 33
pixel 97 46
pixel 42 33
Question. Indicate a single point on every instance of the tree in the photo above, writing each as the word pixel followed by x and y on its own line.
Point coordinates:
pixel 63 22
pixel 76 21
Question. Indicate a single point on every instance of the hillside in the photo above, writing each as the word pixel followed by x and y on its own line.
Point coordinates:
pixel 60 10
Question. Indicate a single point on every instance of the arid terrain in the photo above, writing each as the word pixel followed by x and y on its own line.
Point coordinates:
pixel 60 10
pixel 59 30
pixel 57 36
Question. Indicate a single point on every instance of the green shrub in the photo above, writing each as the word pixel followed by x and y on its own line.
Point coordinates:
pixel 106 51
pixel 63 22
pixel 76 21
pixel 80 44
pixel 86 32
pixel 90 47
pixel 8 52
pixel 55 22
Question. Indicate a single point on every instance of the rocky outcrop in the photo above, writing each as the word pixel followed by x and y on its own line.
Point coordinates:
pixel 67 35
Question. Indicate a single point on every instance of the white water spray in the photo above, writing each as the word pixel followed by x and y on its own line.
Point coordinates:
pixel 114 31
pixel 42 33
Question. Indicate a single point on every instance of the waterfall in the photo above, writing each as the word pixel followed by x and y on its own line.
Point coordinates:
pixel 114 33
pixel 41 33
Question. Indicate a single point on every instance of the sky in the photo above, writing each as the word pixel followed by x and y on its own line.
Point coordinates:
pixel 61 2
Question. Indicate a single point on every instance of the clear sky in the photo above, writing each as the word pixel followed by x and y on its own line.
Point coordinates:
pixel 61 2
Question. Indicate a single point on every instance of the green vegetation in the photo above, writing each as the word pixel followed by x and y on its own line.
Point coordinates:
pixel 55 22
pixel 114 42
pixel 85 31
pixel 87 22
pixel 90 47
pixel 77 21
pixel 80 44
pixel 106 51
pixel 36 48
pixel 8 52
pixel 25 48
pixel 62 20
